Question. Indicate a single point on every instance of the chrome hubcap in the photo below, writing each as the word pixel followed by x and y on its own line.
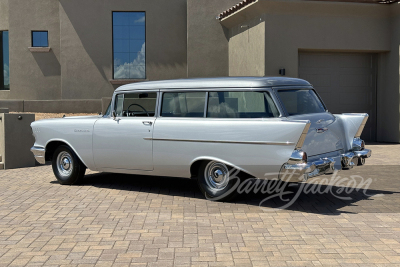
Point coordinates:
pixel 217 175
pixel 64 164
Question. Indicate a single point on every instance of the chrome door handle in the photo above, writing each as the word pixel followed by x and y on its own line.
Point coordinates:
pixel 148 123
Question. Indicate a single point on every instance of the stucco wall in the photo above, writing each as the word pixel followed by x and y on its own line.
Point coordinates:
pixel 79 65
pixel 86 43
pixel 247 49
pixel 33 75
pixel 207 51
pixel 3 15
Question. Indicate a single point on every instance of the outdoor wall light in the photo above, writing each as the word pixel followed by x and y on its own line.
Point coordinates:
pixel 282 72
pixel 248 32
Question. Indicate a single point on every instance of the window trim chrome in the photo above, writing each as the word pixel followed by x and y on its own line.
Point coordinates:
pixel 180 91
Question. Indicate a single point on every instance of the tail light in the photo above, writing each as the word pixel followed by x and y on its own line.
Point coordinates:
pixel 298 157
pixel 358 144
pixel 304 158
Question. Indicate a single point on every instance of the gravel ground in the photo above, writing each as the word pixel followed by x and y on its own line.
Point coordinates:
pixel 41 116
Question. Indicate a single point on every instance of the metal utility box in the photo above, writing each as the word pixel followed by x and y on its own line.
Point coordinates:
pixel 16 139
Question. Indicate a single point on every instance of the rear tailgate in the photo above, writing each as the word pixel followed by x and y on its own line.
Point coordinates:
pixel 324 135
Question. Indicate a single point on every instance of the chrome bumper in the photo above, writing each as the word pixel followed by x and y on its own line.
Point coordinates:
pixel 303 171
pixel 39 153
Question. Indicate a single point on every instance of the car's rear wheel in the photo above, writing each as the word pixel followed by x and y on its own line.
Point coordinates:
pixel 217 181
pixel 67 167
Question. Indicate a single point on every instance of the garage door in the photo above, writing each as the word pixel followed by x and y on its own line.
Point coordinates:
pixel 345 81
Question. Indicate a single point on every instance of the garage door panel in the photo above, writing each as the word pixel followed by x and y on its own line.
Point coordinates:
pixel 352 89
pixel 345 82
pixel 317 61
pixel 359 101
pixel 354 60
pixel 353 80
pixel 330 99
pixel 319 79
pixel 353 71
pixel 318 71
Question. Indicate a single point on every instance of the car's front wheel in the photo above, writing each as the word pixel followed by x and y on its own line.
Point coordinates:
pixel 67 167
pixel 217 181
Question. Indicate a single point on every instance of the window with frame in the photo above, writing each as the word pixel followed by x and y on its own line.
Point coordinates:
pixel 301 101
pixel 247 104
pixel 4 61
pixel 183 104
pixel 129 45
pixel 40 39
pixel 135 104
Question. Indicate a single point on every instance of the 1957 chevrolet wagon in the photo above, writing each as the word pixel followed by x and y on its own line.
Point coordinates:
pixel 207 129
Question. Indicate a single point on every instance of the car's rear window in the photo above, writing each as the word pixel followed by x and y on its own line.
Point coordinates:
pixel 302 101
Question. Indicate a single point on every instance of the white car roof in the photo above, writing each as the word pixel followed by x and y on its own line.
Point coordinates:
pixel 224 82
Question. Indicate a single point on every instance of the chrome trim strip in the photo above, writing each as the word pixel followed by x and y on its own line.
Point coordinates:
pixel 206 105
pixel 303 136
pixel 223 142
pixel 360 130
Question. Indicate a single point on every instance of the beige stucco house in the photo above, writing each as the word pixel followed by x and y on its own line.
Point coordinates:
pixel 69 55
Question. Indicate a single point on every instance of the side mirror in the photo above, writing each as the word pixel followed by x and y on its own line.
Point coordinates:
pixel 114 114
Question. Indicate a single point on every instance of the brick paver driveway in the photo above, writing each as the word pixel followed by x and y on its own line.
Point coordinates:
pixel 120 220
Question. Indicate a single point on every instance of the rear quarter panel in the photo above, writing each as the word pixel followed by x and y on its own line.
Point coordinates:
pixel 173 157
pixel 350 123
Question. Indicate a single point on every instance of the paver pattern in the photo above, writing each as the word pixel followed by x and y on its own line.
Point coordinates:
pixel 121 220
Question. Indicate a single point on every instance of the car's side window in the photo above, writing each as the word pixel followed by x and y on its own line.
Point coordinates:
pixel 135 104
pixel 236 104
pixel 183 104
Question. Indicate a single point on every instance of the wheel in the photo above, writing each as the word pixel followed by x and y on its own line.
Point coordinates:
pixel 217 181
pixel 67 167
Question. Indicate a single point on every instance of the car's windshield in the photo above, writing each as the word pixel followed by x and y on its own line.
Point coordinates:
pixel 301 101
pixel 108 110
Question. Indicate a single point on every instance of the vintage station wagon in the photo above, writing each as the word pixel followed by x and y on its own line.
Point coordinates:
pixel 207 129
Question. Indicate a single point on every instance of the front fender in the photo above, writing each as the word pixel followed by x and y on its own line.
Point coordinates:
pixel 75 132
pixel 70 146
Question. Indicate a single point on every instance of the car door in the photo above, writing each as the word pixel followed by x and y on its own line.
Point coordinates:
pixel 124 142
